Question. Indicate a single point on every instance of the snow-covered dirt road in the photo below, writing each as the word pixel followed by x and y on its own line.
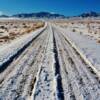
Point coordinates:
pixel 50 68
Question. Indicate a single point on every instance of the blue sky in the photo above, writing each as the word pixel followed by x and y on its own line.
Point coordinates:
pixel 66 7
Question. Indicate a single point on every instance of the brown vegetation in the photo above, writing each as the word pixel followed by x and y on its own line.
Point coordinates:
pixel 16 28
pixel 98 41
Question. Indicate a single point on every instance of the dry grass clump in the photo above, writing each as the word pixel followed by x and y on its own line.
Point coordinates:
pixel 74 30
pixel 16 28
pixel 98 41
pixel 4 38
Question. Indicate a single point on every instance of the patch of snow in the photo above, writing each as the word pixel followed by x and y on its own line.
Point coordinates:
pixel 86 46
pixel 44 88
pixel 8 50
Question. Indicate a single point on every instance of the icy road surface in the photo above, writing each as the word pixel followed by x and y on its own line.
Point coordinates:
pixel 48 68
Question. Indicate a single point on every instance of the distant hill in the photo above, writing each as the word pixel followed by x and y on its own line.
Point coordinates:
pixel 39 15
pixel 50 15
pixel 4 16
pixel 90 14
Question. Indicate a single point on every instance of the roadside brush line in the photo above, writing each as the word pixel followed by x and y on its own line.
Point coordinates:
pixel 9 60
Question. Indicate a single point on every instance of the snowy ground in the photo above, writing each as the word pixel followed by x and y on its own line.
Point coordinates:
pixel 86 42
pixel 9 50
pixel 46 65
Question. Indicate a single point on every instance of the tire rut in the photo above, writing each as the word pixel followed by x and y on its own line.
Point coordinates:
pixel 23 67
pixel 81 77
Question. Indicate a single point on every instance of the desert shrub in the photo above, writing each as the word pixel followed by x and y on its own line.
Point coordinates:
pixel 2 27
pixel 98 41
pixel 15 27
pixel 81 32
pixel 72 23
pixel 74 30
pixel 25 26
pixel 95 32
pixel 4 37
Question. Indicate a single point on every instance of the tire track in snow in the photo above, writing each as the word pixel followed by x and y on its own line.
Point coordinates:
pixel 59 87
pixel 24 67
pixel 44 87
pixel 17 54
pixel 91 84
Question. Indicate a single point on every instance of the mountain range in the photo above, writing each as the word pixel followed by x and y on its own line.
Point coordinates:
pixel 39 15
pixel 36 15
pixel 50 15
pixel 90 14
